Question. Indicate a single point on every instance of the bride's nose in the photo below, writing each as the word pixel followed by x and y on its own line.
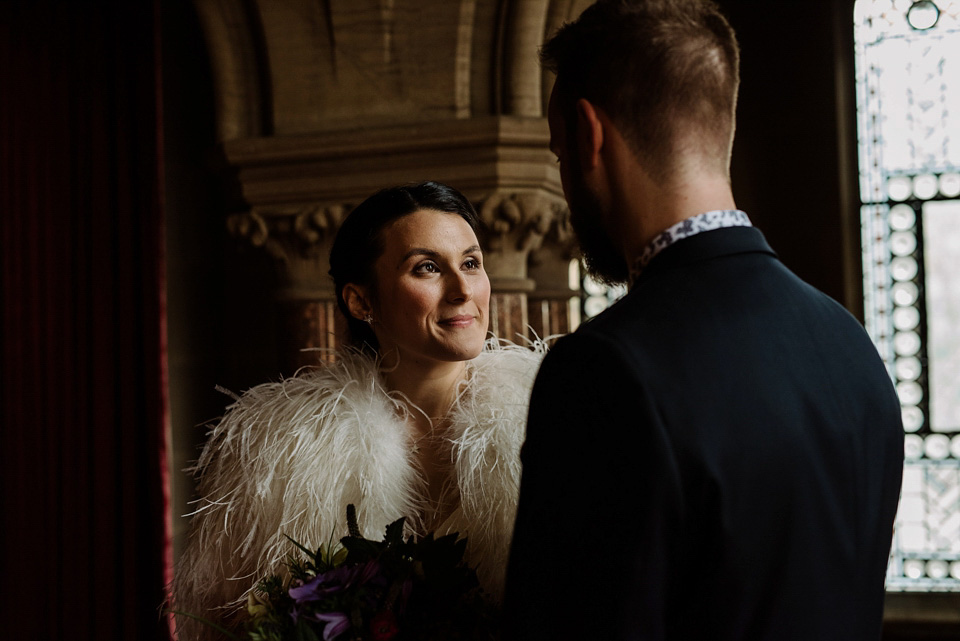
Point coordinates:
pixel 458 288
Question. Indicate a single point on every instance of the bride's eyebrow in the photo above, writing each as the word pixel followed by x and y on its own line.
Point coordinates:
pixel 431 253
pixel 419 251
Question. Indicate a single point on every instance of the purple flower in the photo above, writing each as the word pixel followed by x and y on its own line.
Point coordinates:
pixel 334 581
pixel 336 623
pixel 315 589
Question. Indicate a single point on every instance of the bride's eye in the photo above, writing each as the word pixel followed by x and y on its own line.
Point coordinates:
pixel 472 263
pixel 428 267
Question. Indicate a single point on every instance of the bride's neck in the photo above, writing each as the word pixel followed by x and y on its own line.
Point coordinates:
pixel 431 387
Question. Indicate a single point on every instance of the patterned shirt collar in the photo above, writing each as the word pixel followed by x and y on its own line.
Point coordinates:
pixel 706 221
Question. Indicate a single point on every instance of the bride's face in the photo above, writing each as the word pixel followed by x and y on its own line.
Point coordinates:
pixel 433 295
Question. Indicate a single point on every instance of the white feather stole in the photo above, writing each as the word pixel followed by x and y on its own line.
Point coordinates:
pixel 288 457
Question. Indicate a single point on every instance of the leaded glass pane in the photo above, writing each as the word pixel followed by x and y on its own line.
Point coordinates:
pixel 941 241
pixel 909 144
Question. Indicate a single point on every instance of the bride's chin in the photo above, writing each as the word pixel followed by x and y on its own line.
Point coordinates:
pixel 461 345
pixel 466 352
pixel 467 355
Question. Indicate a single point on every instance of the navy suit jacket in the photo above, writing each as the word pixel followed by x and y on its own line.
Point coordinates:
pixel 717 456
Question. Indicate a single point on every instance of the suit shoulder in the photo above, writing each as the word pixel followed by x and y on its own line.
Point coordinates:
pixel 596 347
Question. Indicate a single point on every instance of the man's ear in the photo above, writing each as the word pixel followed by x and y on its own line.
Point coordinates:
pixel 589 134
pixel 357 300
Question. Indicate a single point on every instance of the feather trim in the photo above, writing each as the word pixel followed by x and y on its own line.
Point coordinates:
pixel 288 457
pixel 487 430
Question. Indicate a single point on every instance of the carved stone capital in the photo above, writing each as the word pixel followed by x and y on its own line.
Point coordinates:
pixel 554 306
pixel 516 224
pixel 549 263
pixel 298 237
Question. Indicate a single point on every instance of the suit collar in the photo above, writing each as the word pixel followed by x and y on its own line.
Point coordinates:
pixel 707 221
pixel 706 246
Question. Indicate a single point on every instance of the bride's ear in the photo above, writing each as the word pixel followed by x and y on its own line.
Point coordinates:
pixel 357 300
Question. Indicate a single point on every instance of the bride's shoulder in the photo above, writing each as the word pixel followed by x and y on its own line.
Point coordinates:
pixel 310 384
pixel 504 358
pixel 317 398
pixel 504 370
pixel 491 413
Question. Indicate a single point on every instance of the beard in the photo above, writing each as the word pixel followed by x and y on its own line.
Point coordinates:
pixel 601 257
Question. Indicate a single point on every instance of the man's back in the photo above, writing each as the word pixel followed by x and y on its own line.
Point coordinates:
pixel 743 437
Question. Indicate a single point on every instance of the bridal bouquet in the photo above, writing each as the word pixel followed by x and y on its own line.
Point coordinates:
pixel 364 590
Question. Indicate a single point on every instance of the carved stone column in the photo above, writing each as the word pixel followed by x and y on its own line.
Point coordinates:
pixel 554 305
pixel 516 223
pixel 298 238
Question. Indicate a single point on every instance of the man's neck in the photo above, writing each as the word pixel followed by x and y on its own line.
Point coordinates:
pixel 638 207
pixel 652 210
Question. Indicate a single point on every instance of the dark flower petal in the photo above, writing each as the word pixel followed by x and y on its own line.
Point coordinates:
pixel 306 592
pixel 336 623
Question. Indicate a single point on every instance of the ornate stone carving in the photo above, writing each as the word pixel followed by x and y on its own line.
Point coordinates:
pixel 550 258
pixel 316 224
pixel 250 227
pixel 554 306
pixel 516 224
pixel 298 237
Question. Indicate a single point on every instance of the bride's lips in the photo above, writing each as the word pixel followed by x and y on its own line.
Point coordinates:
pixel 461 320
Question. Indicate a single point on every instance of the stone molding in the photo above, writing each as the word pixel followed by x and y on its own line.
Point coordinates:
pixel 477 156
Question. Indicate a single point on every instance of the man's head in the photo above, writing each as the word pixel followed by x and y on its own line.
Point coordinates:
pixel 665 74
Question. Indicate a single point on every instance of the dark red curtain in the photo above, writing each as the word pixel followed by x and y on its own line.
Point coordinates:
pixel 84 543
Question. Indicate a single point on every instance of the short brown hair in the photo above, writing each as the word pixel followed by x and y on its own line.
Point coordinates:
pixel 653 66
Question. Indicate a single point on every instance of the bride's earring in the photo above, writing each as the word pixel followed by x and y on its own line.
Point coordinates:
pixel 368 319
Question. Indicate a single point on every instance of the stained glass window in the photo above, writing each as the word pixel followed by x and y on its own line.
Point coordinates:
pixel 908 111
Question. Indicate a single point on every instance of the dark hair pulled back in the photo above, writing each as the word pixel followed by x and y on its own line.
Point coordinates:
pixel 360 241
